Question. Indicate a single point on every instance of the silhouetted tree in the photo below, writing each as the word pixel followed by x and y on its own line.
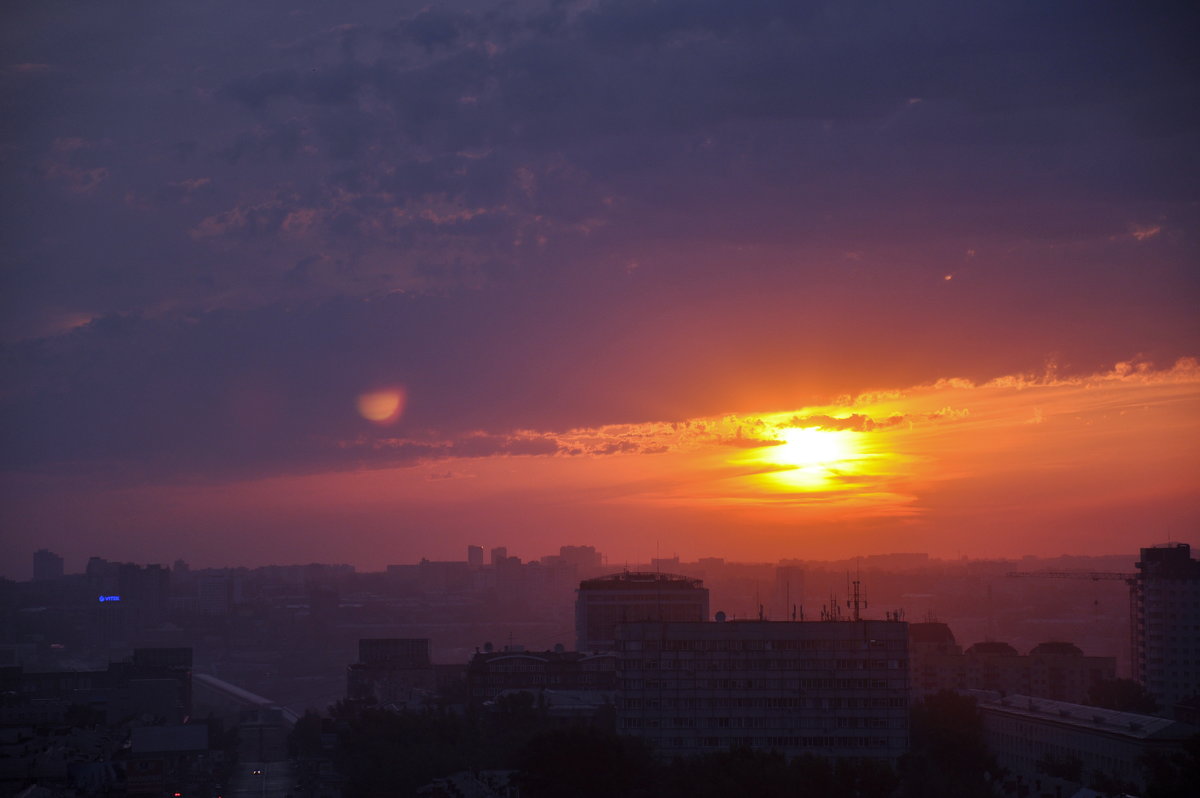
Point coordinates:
pixel 948 756
pixel 1123 695
pixel 1067 767
pixel 382 753
pixel 1174 775
pixel 586 763
pixel 751 772
pixel 305 737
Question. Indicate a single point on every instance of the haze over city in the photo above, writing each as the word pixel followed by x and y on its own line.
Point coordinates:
pixel 599 398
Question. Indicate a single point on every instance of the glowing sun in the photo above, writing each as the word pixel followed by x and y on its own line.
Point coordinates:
pixel 811 457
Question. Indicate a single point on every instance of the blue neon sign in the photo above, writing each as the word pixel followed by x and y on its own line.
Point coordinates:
pixel 109 598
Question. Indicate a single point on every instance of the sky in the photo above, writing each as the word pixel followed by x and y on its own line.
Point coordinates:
pixel 370 281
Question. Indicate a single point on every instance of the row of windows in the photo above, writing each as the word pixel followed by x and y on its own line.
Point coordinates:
pixel 708 664
pixel 762 684
pixel 762 645
pixel 754 723
pixel 773 702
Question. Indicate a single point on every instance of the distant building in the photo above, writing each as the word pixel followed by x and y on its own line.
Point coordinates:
pixel 582 557
pixel 1053 670
pixel 153 683
pixel 936 659
pixel 822 687
pixel 499 555
pixel 474 556
pixel 394 671
pixel 47 566
pixel 493 673
pixel 603 603
pixel 1025 732
pixel 1165 602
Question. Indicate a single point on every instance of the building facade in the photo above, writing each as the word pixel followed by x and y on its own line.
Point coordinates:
pixel 492 673
pixel 391 671
pixel 603 603
pixel 1054 670
pixel 1165 604
pixel 1025 733
pixel 830 688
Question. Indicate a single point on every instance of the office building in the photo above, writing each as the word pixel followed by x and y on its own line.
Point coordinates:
pixel 603 603
pixel 1165 604
pixel 829 688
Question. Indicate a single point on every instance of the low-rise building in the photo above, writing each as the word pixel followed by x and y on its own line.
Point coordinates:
pixel 1055 670
pixel 1027 733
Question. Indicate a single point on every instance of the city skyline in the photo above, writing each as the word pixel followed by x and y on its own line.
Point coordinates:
pixel 368 281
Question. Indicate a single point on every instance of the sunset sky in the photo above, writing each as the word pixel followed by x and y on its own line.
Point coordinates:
pixel 369 281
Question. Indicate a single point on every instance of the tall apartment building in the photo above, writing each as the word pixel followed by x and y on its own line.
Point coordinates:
pixel 603 603
pixel 1165 599
pixel 831 688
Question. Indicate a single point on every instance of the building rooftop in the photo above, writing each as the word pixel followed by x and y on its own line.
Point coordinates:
pixel 993 648
pixel 930 632
pixel 1067 649
pixel 1125 724
pixel 626 580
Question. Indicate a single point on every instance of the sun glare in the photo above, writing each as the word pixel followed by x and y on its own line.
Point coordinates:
pixel 810 457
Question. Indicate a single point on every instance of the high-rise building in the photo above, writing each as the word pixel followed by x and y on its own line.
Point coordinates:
pixel 830 688
pixel 46 566
pixel 603 603
pixel 1165 599
pixel 474 556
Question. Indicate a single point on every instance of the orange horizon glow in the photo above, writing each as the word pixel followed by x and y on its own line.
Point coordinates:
pixel 1014 465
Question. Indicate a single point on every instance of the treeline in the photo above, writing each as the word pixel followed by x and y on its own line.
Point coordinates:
pixel 383 753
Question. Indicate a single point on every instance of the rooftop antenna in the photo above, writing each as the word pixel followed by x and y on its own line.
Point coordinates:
pixel 991 619
pixel 856 602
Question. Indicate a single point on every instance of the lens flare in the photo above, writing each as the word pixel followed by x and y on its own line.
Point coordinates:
pixel 384 406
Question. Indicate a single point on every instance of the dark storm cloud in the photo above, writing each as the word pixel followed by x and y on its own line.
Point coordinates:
pixel 546 215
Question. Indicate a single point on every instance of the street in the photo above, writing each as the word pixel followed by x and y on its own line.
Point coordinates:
pixel 262 780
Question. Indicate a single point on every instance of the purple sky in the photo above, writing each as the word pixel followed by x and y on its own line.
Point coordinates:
pixel 225 220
